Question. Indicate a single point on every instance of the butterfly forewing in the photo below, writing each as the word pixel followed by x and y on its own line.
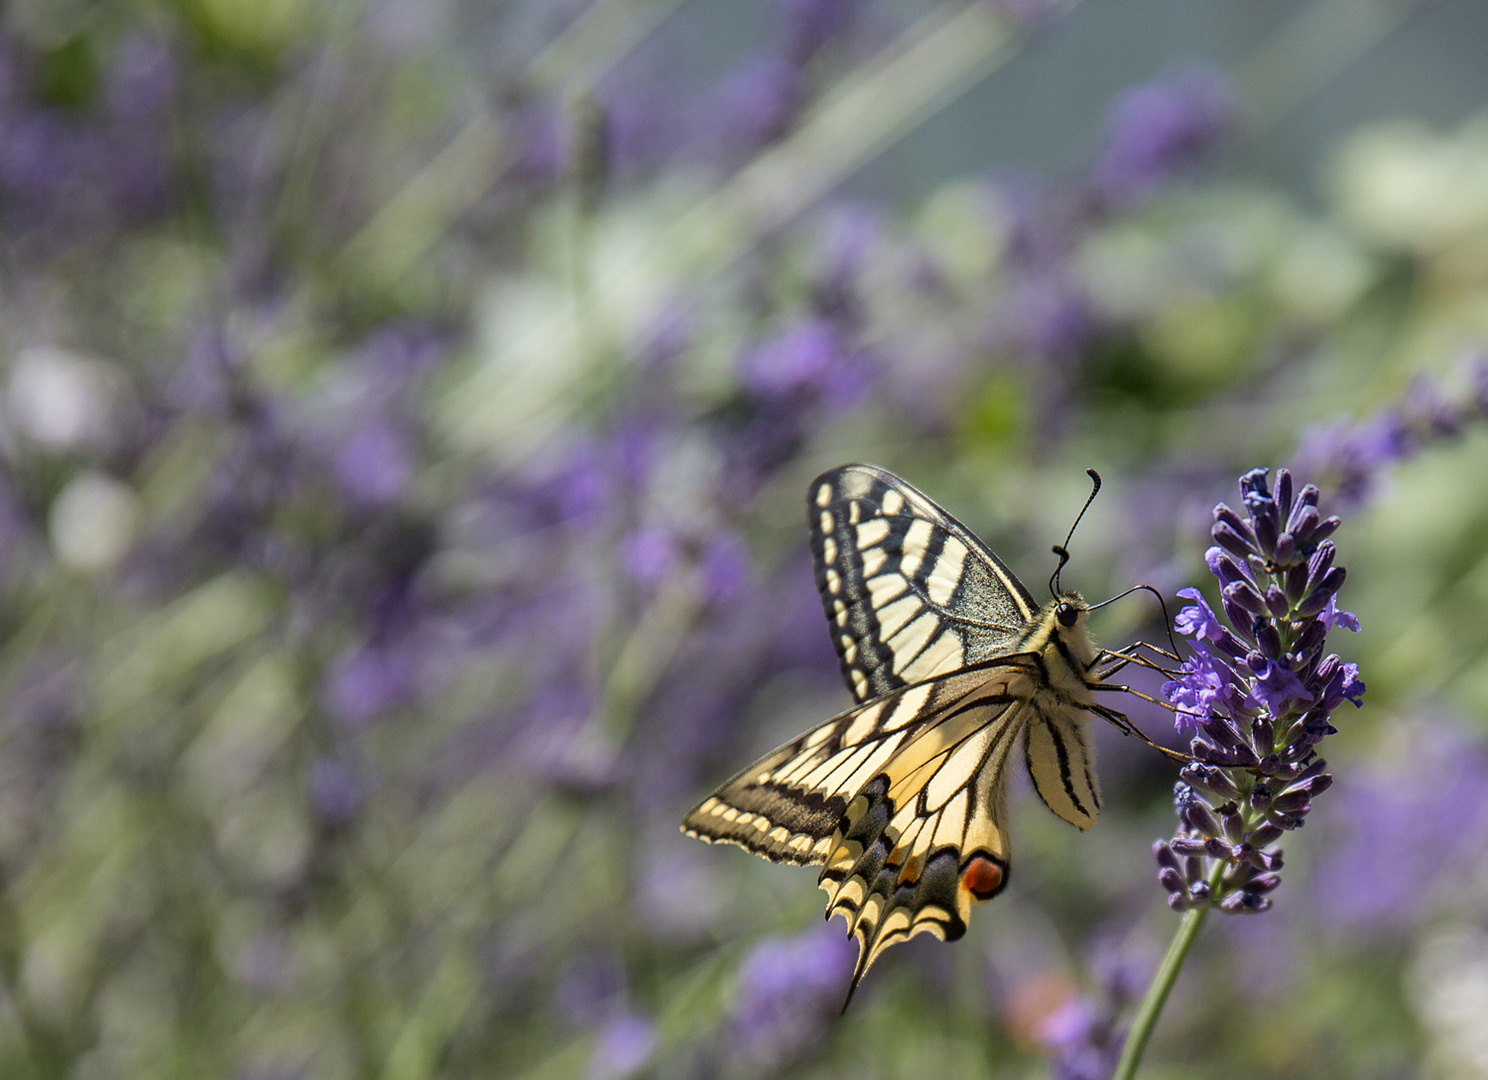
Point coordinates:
pixel 908 591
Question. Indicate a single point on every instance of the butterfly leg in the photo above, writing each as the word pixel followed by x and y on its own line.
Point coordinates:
pixel 1122 659
pixel 1124 724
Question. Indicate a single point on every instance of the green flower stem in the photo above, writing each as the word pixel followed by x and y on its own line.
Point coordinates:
pixel 1162 985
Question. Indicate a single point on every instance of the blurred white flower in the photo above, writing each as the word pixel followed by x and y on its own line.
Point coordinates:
pixel 1412 189
pixel 1320 273
pixel 60 399
pixel 1448 984
pixel 93 522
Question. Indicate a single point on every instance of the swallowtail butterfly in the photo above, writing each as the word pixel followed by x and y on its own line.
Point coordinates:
pixel 902 799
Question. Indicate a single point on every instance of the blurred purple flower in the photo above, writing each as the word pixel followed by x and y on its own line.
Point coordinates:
pixel 1406 827
pixel 375 464
pixel 651 554
pixel 589 987
pixel 809 359
pixel 142 79
pixel 1353 455
pixel 1081 1033
pixel 40 157
pixel 1082 1040
pixel 1047 319
pixel 789 988
pixel 1160 128
pixel 368 682
pixel 400 350
pixel 849 242
pixel 726 566
pixel 811 24
pixel 542 155
pixel 626 1043
pixel 753 105
pixel 335 791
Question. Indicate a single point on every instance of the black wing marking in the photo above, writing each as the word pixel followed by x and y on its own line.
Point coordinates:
pixel 909 592
pixel 926 837
pixel 1062 763
pixel 788 805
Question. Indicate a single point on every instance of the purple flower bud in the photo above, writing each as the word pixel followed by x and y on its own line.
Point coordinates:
pixel 1313 785
pixel 1201 819
pixel 1199 891
pixel 1293 801
pixel 1265 833
pixel 1164 855
pixel 1276 602
pixel 1189 845
pixel 1242 620
pixel 1229 539
pixel 1326 528
pixel 1223 513
pixel 1265 528
pixel 1263 883
pixel 1286 549
pixel 1177 903
pixel 1216 848
pixel 1304 509
pixel 1243 594
pixel 1225 568
pixel 1311 638
pixel 1319 562
pixel 1284 492
pixel 1253 483
pixel 1315 769
pixel 1260 798
pixel 1234 825
pixel 1211 779
pixel 1268 640
pixel 1296 582
pixel 1244 903
pixel 1193 870
pixel 1172 880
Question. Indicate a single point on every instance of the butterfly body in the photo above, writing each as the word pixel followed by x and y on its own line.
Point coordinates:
pixel 902 799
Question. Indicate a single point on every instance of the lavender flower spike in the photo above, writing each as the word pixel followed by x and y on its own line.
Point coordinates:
pixel 1257 694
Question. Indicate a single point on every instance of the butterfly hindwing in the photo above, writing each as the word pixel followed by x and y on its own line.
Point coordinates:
pixel 787 805
pixel 1062 766
pixel 908 591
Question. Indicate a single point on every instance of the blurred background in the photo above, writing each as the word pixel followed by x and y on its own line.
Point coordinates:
pixel 405 418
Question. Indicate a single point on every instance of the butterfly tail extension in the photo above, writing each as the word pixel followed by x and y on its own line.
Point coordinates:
pixel 884 900
pixel 896 871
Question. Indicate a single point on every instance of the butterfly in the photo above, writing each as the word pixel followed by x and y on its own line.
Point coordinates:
pixel 951 664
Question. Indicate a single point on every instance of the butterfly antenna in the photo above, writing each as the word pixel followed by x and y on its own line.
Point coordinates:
pixel 1062 550
pixel 1167 622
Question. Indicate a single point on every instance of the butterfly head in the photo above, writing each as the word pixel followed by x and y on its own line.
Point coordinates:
pixel 1061 630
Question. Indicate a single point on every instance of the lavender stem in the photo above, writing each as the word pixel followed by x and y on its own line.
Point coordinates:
pixel 1162 985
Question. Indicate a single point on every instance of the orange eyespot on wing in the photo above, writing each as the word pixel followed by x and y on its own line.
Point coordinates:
pixel 982 878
